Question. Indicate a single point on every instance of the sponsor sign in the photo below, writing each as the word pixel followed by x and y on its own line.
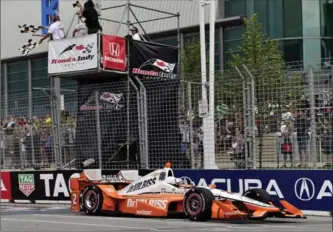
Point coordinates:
pixel 153 61
pixel 45 185
pixel 73 54
pixel 6 191
pixel 114 52
pixel 141 185
pixel 26 183
pixel 307 190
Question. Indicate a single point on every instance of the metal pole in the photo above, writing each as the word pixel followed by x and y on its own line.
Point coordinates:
pixel 29 90
pixel 210 162
pixel 5 81
pixel 253 118
pixel 204 81
pixel 58 116
pixel 98 130
pixel 128 86
pixel 313 150
pixel 189 95
pixel 246 129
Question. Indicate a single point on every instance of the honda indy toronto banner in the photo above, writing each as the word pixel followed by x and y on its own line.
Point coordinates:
pixel 153 61
pixel 156 67
pixel 307 190
pixel 114 52
pixel 73 54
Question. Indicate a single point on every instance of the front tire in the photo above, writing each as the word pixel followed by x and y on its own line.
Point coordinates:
pixel 92 200
pixel 197 204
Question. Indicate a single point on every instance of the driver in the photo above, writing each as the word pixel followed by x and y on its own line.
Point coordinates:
pixel 177 182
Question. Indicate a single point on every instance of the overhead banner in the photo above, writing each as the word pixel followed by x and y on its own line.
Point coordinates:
pixel 307 190
pixel 114 52
pixel 73 54
pixel 153 61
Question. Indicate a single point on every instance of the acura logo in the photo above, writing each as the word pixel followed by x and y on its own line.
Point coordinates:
pixel 304 189
pixel 114 49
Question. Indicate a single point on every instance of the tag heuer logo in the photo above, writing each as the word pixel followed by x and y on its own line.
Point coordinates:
pixel 26 183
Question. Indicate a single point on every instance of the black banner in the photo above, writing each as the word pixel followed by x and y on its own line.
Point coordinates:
pixel 153 61
pixel 47 185
pixel 156 67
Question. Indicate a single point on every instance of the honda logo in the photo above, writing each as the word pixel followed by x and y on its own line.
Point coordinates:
pixel 114 49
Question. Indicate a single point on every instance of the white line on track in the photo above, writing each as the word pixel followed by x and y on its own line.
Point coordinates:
pixel 81 224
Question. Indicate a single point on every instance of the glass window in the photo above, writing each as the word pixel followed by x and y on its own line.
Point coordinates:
pixel 326 48
pixel 292 18
pixel 233 39
pixel 69 91
pixel 173 41
pixel 293 50
pixel 326 18
pixel 235 8
pixel 261 8
pixel 275 19
pixel 40 99
pixel 18 88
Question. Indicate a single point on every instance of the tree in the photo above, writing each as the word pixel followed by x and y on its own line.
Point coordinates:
pixel 265 61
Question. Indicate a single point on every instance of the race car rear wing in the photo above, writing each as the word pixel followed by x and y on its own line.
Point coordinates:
pixel 121 176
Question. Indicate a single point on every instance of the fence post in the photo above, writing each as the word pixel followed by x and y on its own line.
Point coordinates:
pixel 189 96
pixel 245 118
pixel 98 129
pixel 253 119
pixel 313 149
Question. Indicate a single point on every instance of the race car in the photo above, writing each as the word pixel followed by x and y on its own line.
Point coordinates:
pixel 161 194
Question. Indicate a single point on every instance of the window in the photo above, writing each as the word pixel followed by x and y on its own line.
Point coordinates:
pixel 275 19
pixel 189 38
pixel 18 88
pixel 293 50
pixel 292 18
pixel 40 99
pixel 326 18
pixel 260 7
pixel 233 39
pixel 172 41
pixel 326 48
pixel 69 91
pixel 235 8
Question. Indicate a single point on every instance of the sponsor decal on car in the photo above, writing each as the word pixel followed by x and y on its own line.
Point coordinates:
pixel 142 184
pixel 159 203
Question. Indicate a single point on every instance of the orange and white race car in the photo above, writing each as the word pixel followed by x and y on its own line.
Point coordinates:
pixel 161 194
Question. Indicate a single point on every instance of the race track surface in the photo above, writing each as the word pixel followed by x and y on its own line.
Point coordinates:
pixel 60 218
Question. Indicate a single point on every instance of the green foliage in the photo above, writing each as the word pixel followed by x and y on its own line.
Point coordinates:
pixel 191 62
pixel 265 61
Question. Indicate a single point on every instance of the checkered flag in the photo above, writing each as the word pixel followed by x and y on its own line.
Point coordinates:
pixel 29 28
pixel 28 47
pixel 88 48
pixel 166 67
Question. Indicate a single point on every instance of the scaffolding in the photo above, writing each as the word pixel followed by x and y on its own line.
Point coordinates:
pixel 55 91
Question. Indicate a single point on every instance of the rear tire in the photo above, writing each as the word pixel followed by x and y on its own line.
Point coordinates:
pixel 92 200
pixel 197 204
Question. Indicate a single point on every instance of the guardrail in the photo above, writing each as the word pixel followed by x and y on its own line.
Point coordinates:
pixel 309 190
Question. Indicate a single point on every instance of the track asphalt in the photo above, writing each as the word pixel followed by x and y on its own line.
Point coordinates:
pixel 60 218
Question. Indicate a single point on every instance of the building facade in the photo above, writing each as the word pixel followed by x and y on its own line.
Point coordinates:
pixel 303 27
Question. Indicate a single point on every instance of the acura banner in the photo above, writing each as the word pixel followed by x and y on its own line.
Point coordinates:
pixel 307 190
pixel 73 54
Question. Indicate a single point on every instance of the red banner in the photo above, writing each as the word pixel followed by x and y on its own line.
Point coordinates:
pixel 6 191
pixel 114 52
